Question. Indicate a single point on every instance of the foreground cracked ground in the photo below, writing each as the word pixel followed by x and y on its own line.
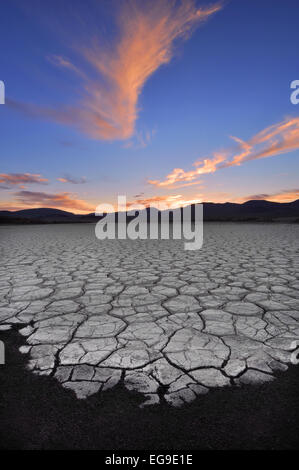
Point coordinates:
pixel 165 322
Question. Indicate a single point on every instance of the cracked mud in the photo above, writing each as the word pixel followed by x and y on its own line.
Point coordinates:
pixel 166 322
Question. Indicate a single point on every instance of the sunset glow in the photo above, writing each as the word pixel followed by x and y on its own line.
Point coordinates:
pixel 168 102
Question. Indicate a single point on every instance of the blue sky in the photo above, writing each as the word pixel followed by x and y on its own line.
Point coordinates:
pixel 82 106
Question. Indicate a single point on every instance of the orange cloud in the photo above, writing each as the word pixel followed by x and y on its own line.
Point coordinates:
pixel 178 175
pixel 146 36
pixel 147 33
pixel 164 202
pixel 277 139
pixel 67 201
pixel 19 178
pixel 274 140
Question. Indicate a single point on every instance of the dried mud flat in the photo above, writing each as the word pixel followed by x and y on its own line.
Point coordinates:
pixel 163 321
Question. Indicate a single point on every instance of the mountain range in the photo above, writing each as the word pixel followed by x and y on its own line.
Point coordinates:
pixel 255 210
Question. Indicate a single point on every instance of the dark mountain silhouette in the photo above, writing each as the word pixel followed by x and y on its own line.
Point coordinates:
pixel 255 210
pixel 43 212
pixel 251 210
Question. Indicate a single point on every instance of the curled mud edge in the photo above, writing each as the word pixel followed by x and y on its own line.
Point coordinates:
pixel 37 413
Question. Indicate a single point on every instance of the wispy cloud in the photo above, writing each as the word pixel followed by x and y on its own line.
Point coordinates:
pixel 72 179
pixel 65 63
pixel 12 179
pixel 141 140
pixel 274 140
pixel 277 139
pixel 63 200
pixel 147 32
pixel 180 178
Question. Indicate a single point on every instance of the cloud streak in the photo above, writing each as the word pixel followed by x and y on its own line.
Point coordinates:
pixel 63 200
pixel 72 179
pixel 13 179
pixel 63 62
pixel 147 33
pixel 274 140
pixel 186 178
pixel 277 139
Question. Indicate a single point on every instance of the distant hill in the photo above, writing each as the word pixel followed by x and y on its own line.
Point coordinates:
pixel 256 210
pixel 251 210
pixel 42 212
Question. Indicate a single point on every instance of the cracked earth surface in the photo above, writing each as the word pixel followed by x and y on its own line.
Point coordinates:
pixel 166 322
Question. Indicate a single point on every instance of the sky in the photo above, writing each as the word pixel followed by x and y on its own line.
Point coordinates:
pixel 162 101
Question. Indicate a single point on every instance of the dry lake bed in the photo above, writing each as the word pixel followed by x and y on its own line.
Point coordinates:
pixel 165 322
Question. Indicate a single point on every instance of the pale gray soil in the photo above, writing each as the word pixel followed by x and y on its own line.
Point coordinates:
pixel 169 323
